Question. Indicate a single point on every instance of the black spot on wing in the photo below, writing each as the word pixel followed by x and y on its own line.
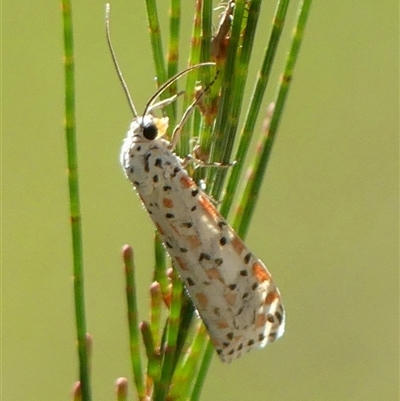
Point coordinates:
pixel 204 256
pixel 146 162
pixel 219 261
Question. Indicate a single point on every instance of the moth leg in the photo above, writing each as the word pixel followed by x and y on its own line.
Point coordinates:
pixel 177 130
pixel 165 102
pixel 200 163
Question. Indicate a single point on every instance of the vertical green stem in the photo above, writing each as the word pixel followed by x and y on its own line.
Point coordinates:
pixel 158 56
pixel 184 147
pixel 252 188
pixel 173 48
pixel 133 321
pixel 255 104
pixel 75 214
pixel 170 357
pixel 205 363
pixel 223 143
pixel 156 42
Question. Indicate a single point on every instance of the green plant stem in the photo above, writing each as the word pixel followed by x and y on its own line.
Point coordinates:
pixel 75 213
pixel 155 311
pixel 241 71
pixel 173 48
pixel 156 42
pixel 153 365
pixel 255 104
pixel 223 143
pixel 133 321
pixel 203 126
pixel 184 146
pixel 160 267
pixel 252 188
pixel 169 351
pixel 187 367
pixel 205 364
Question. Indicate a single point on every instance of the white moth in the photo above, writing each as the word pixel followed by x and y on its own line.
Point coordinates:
pixel 230 287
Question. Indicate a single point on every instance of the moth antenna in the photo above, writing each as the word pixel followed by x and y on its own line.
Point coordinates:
pixel 116 65
pixel 188 112
pixel 169 82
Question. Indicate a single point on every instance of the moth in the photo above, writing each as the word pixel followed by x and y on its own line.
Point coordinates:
pixel 231 288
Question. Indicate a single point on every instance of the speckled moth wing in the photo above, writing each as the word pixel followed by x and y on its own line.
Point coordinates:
pixel 231 289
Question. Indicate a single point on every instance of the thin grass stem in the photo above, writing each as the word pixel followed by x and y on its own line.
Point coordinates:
pixel 169 348
pixel 156 300
pixel 204 365
pixel 160 267
pixel 223 144
pixel 204 123
pixel 241 73
pixel 75 212
pixel 133 321
pixel 152 353
pixel 187 366
pixel 173 47
pixel 256 175
pixel 255 104
pixel 183 146
pixel 156 41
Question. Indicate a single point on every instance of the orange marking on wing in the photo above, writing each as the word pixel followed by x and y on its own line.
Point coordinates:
pixel 208 207
pixel 168 203
pixel 214 274
pixel 222 324
pixel 260 272
pixel 203 300
pixel 230 298
pixel 271 297
pixel 238 245
pixel 261 319
pixel 186 181
pixel 181 263
pixel 194 241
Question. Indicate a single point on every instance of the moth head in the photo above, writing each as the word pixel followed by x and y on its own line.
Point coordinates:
pixel 149 127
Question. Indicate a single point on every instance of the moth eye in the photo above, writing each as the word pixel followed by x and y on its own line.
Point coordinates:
pixel 150 131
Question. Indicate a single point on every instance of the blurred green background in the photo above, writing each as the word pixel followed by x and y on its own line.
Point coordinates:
pixel 326 224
